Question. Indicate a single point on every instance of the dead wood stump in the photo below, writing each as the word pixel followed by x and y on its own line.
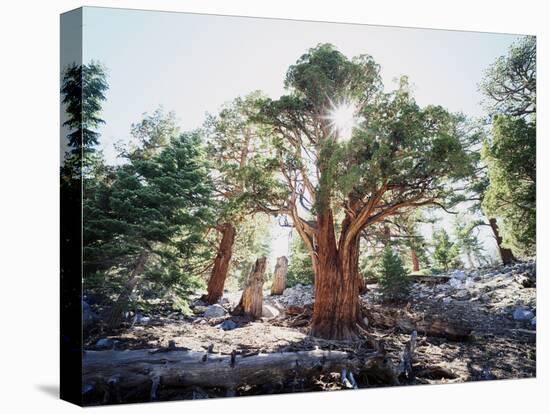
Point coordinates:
pixel 279 276
pixel 252 298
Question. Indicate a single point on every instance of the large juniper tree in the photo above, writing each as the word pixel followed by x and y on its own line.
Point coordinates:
pixel 347 148
pixel 241 163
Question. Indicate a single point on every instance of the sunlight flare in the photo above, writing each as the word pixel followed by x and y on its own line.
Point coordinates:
pixel 343 118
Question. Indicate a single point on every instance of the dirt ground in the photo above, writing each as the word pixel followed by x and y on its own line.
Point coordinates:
pixel 499 347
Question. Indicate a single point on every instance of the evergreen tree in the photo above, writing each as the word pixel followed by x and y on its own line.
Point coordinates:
pixel 393 280
pixel 446 253
pixel 468 242
pixel 83 92
pixel 149 220
pixel 251 242
pixel 510 153
pixel 346 145
pixel 300 269
pixel 511 194
pixel 237 149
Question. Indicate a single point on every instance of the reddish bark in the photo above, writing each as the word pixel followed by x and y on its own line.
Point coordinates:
pixel 336 312
pixel 415 263
pixel 221 264
pixel 506 254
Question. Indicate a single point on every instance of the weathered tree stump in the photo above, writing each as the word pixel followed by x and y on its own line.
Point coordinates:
pixel 279 276
pixel 252 298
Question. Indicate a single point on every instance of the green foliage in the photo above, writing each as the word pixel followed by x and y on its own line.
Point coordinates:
pixel 83 92
pixel 151 134
pixel 300 270
pixel 510 83
pixel 417 152
pixel 510 153
pixel 511 194
pixel 468 242
pixel 242 159
pixel 446 252
pixel 393 280
pixel 159 204
pixel 251 242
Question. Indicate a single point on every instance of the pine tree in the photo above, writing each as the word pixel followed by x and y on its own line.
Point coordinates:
pixel 148 220
pixel 446 253
pixel 393 280
pixel 83 92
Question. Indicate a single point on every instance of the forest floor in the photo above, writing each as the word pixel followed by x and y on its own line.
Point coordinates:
pixel 498 305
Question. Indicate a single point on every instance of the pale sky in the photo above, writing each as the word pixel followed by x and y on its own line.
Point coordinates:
pixel 192 64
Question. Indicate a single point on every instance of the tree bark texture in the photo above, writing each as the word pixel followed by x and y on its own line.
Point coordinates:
pixel 121 373
pixel 336 312
pixel 279 276
pixel 252 298
pixel 415 262
pixel 222 261
pixel 506 254
pixel 115 313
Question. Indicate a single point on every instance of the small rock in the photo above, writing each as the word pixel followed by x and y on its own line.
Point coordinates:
pixel 446 300
pixel 522 314
pixel 228 325
pixel 458 274
pixel 461 295
pixel 534 321
pixel 456 283
pixel 485 298
pixel 89 317
pixel 269 311
pixel 105 343
pixel 139 319
pixel 214 311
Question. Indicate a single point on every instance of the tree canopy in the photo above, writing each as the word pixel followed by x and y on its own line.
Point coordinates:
pixel 510 151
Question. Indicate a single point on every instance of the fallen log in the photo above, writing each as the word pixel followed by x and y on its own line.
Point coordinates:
pixel 430 279
pixel 119 372
pixel 408 321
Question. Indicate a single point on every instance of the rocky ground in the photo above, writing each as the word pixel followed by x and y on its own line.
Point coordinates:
pixel 497 304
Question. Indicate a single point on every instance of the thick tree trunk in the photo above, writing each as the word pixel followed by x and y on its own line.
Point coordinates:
pixel 114 317
pixel 252 298
pixel 336 311
pixel 279 276
pixel 415 262
pixel 221 264
pixel 506 254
